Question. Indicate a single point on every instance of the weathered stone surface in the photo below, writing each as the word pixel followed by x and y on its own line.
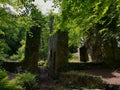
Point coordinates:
pixel 11 66
pixel 30 61
pixel 111 53
pixel 58 53
pixel 83 54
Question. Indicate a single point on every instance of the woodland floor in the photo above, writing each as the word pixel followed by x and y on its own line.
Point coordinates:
pixel 108 75
pixel 111 77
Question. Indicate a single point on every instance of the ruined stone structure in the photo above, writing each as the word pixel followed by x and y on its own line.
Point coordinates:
pixel 30 61
pixel 83 54
pixel 111 53
pixel 58 53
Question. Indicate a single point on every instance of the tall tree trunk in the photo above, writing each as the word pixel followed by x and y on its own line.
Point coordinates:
pixel 30 61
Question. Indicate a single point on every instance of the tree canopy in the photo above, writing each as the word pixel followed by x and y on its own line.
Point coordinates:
pixel 80 16
pixel 13 25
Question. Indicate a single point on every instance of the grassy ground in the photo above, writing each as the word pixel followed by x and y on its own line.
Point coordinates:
pixel 74 58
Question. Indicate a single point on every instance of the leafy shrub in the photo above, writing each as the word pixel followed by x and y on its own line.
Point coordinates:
pixel 3 74
pixel 20 53
pixel 5 84
pixel 42 63
pixel 74 58
pixel 12 85
pixel 27 81
pixel 4 48
pixel 3 80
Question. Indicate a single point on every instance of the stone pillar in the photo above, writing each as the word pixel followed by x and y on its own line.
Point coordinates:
pixel 58 53
pixel 30 61
pixel 111 53
pixel 83 54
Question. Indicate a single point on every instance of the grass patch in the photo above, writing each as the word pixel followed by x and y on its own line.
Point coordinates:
pixel 74 58
pixel 75 79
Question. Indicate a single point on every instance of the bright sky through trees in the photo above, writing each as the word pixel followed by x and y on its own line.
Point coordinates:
pixel 9 9
pixel 45 7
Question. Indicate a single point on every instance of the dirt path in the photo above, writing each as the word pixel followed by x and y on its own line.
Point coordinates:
pixel 111 77
pixel 45 82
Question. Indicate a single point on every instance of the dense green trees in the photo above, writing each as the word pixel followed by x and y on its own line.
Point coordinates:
pixel 90 23
pixel 14 28
pixel 12 32
pixel 85 14
pixel 94 23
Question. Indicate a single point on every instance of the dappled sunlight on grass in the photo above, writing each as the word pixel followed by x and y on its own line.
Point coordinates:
pixel 74 58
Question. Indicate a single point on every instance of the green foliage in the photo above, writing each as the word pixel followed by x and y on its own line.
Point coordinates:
pixel 82 74
pixel 12 32
pixel 74 58
pixel 42 63
pixel 4 48
pixel 10 44
pixel 44 41
pixel 20 53
pixel 5 84
pixel 3 74
pixel 13 28
pixel 74 36
pixel 15 3
pixel 27 81
pixel 12 85
pixel 81 16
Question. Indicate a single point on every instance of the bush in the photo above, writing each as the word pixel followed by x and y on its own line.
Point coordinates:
pixel 12 85
pixel 20 53
pixel 42 63
pixel 74 58
pixel 5 84
pixel 3 79
pixel 27 81
pixel 3 74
